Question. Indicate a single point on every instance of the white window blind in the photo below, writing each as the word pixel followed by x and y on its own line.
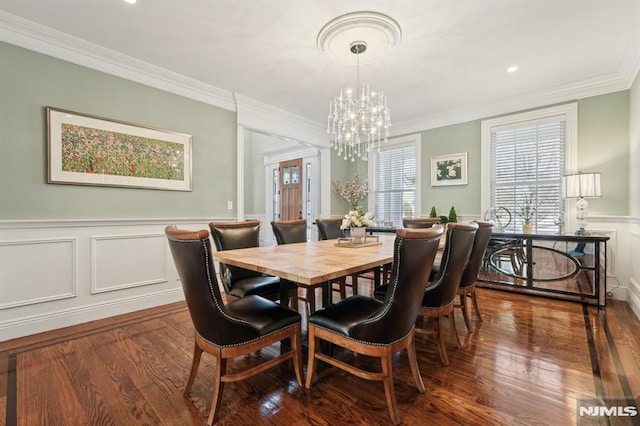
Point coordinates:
pixel 394 189
pixel 528 161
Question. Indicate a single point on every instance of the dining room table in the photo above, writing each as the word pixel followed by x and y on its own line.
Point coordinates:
pixel 314 264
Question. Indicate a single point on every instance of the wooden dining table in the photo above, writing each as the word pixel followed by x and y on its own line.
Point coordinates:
pixel 314 263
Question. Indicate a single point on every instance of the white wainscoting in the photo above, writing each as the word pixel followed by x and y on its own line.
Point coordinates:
pixel 633 294
pixel 623 252
pixel 25 265
pixel 127 261
pixel 55 274
pixel 59 273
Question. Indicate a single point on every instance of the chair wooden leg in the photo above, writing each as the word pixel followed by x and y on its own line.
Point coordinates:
pixel 354 284
pixel 413 363
pixel 452 320
pixel 294 299
pixel 441 347
pixel 197 352
pixel 475 305
pixel 311 299
pixel 311 360
pixel 389 392
pixel 296 344
pixel 465 312
pixel 343 288
pixel 218 386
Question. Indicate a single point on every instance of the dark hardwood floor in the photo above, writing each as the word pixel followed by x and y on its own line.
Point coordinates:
pixel 528 363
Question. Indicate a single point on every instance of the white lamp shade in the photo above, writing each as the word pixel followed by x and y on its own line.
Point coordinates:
pixel 581 185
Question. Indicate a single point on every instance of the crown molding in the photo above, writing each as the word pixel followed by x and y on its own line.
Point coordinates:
pixel 39 38
pixel 251 113
pixel 570 92
pixel 260 116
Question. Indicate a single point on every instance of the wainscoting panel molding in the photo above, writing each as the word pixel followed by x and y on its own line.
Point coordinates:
pixel 37 271
pixel 633 296
pixel 126 261
pixel 58 273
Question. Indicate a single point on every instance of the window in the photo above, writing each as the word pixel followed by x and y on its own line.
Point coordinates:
pixel 524 159
pixel 394 175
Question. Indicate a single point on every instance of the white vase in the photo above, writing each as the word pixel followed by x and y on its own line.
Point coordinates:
pixel 358 235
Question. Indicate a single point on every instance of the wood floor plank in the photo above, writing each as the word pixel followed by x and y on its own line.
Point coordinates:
pixel 528 363
pixel 46 393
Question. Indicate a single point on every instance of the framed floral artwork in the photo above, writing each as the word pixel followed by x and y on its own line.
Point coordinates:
pixel 449 170
pixel 88 150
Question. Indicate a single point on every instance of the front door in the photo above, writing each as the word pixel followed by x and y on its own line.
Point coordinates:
pixel 291 189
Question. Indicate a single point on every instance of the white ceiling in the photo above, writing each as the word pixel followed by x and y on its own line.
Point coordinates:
pixel 452 58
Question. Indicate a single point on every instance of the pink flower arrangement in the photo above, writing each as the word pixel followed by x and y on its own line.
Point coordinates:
pixel 353 191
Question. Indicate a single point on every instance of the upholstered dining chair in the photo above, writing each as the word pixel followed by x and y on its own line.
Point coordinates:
pixel 419 222
pixel 239 328
pixel 239 282
pixel 380 328
pixel 329 229
pixel 467 288
pixel 291 232
pixel 439 296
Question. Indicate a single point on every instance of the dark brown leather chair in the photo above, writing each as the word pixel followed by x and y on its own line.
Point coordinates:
pixel 239 328
pixel 380 328
pixel 419 222
pixel 240 282
pixel 439 296
pixel 290 231
pixel 329 229
pixel 467 287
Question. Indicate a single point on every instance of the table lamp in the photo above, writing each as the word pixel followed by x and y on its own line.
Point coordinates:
pixel 581 185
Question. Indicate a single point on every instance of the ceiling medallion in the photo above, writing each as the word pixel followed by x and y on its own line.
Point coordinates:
pixel 381 33
pixel 359 119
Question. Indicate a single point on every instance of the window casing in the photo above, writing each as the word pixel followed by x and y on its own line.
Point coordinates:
pixel 526 155
pixel 394 180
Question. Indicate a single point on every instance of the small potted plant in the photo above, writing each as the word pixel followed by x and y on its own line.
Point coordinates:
pixel 526 210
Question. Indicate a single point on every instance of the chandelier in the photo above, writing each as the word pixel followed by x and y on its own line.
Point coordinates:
pixel 359 121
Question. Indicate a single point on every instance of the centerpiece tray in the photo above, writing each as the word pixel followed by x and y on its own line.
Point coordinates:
pixel 348 242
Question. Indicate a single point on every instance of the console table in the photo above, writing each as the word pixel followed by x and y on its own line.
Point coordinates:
pixel 569 267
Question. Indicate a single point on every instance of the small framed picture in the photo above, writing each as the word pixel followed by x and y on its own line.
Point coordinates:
pixel 88 150
pixel 449 170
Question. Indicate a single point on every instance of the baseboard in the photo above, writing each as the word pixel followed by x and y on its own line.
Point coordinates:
pixel 64 318
pixel 633 297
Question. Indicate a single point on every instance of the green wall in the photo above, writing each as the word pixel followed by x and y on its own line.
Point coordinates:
pixel 31 81
pixel 341 170
pixel 603 145
pixel 634 148
pixel 464 137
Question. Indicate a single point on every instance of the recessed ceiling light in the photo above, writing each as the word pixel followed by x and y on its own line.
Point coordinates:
pixel 512 68
pixel 130 1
